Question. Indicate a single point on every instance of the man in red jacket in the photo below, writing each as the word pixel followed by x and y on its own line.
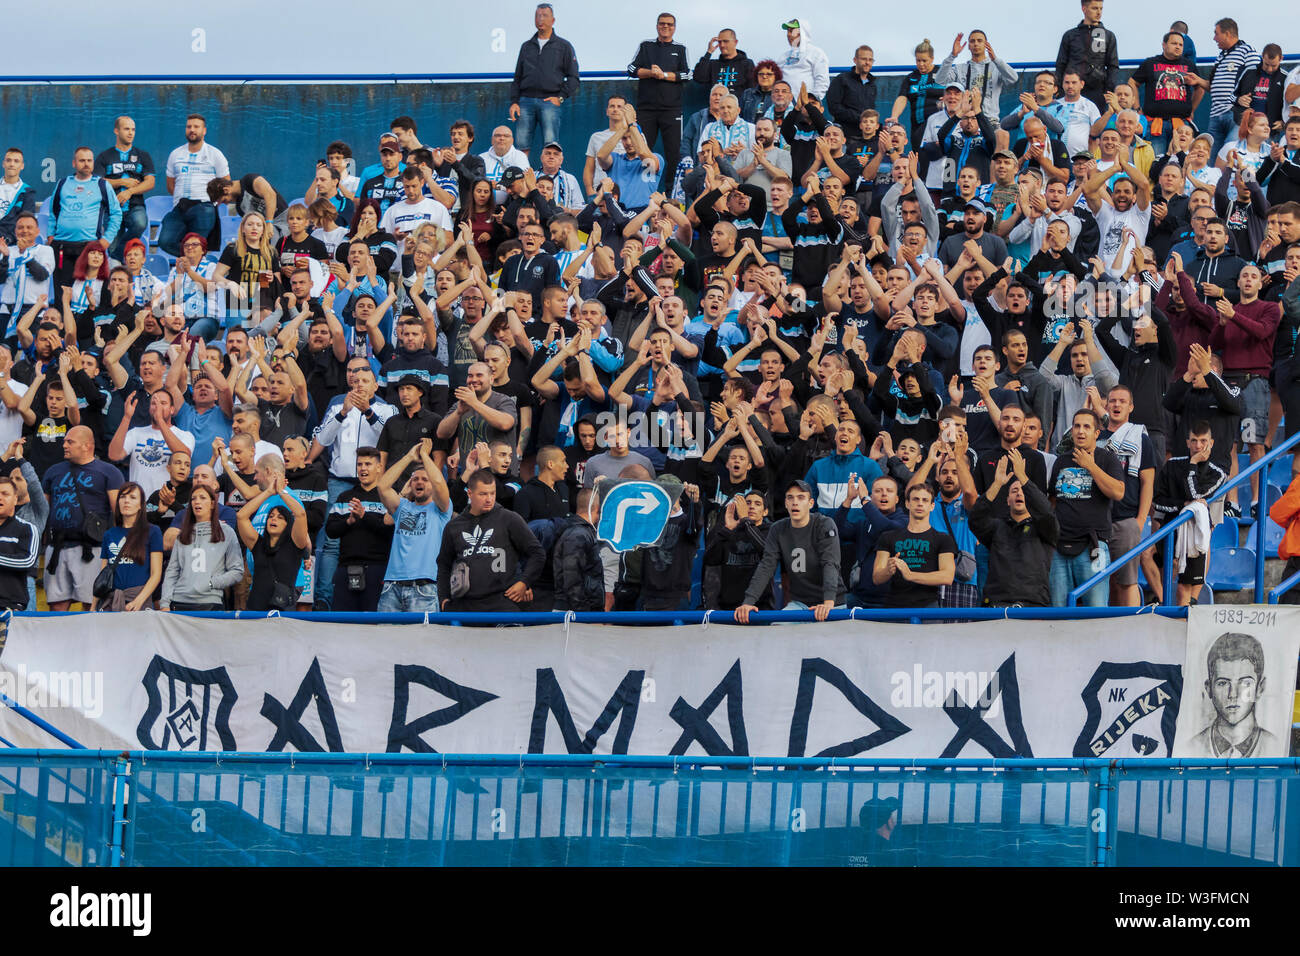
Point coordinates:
pixel 1244 335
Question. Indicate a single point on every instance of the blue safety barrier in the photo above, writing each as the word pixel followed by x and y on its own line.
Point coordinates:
pixel 151 809
pixel 1167 530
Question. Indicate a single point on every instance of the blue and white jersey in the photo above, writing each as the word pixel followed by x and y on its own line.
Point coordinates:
pixel 20 289
pixel 738 132
pixel 568 191
pixel 145 287
pixel 191 295
pixel 193 171
pixel 83 291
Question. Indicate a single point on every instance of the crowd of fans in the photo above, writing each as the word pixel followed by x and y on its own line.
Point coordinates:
pixel 911 353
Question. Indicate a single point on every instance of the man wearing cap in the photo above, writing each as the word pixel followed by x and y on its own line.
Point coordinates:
pixel 546 74
pixel 806 546
pixel 804 64
pixel 130 172
pixel 663 68
pixel 953 99
pixel 385 185
pixel 568 191
pixel 974 220
pixel 412 424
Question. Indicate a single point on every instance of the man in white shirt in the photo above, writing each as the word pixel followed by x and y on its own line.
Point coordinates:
pixel 403 218
pixel 1124 215
pixel 150 448
pixel 25 270
pixel 1075 113
pixel 591 170
pixel 189 170
pixel 501 157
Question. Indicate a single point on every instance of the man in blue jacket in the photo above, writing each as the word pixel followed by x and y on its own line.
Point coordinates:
pixel 830 476
pixel 82 208
pixel 546 74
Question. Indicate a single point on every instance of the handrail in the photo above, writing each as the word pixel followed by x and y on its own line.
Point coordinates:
pixel 1167 572
pixel 160 758
pixel 889 69
pixel 1275 595
pixel 485 618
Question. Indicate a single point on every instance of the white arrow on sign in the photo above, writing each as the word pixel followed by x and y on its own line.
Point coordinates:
pixel 644 505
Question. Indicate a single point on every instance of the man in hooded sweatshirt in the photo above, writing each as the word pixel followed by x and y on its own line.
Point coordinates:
pixel 489 559
pixel 804 63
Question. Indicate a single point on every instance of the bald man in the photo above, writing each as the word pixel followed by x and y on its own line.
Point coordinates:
pixel 82 492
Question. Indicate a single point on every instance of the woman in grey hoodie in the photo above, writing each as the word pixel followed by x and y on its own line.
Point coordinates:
pixel 205 560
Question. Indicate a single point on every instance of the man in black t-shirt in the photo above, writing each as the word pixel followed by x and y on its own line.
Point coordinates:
pixel 1082 487
pixel 130 172
pixel 1137 454
pixel 917 560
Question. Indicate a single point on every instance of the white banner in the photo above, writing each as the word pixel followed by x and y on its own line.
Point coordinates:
pixel 1000 688
pixel 1241 675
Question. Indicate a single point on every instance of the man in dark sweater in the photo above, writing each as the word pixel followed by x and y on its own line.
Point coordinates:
pixel 807 547
pixel 488 559
pixel 1021 542
pixel 1187 478
pixel 736 545
pixel 359 519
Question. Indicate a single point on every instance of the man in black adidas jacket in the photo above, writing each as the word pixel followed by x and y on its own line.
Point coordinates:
pixel 19 541
pixel 488 559
pixel 1021 543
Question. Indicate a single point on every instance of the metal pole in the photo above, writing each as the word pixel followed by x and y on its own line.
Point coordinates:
pixel 1261 532
pixel 121 773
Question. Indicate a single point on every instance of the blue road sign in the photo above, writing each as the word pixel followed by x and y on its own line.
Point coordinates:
pixel 634 513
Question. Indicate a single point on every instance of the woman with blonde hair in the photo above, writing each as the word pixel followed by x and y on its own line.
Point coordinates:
pixel 919 94
pixel 250 262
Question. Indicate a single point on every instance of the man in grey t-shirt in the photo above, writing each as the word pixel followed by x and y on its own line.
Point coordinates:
pixel 610 464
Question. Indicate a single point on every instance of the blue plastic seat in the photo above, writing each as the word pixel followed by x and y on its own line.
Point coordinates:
pixel 159 265
pixel 1226 534
pixel 1273 532
pixel 1231 569
pixel 156 207
pixel 1279 473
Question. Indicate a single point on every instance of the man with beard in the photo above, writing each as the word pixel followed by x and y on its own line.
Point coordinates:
pixel 763 161
pixel 419 517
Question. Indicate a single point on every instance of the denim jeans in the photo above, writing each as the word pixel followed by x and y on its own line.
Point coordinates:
pixel 534 112
pixel 1223 129
pixel 395 597
pixel 135 220
pixel 199 218
pixel 1067 574
pixel 327 550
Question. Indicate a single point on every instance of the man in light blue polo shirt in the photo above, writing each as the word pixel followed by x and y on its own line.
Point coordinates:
pixel 411 582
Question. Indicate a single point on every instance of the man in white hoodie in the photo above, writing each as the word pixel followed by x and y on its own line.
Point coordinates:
pixel 804 63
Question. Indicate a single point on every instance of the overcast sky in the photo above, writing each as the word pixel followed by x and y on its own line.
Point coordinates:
pixel 486 36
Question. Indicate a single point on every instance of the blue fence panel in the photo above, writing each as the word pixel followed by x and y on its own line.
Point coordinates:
pixel 56 809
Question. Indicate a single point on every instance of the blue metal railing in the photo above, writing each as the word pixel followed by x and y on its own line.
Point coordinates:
pixel 1167 572
pixel 506 809
pixel 1275 595
pixel 879 68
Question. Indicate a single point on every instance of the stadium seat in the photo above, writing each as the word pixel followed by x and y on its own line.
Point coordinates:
pixel 1231 569
pixel 1279 473
pixel 159 265
pixel 1273 532
pixel 1226 534
pixel 229 226
pixel 156 207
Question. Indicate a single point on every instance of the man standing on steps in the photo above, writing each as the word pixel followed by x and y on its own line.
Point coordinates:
pixel 807 547
pixel 419 517
pixel 918 560
pixel 130 172
pixel 1090 50
pixel 1136 452
pixel 546 74
pixel 663 69
pixel 189 170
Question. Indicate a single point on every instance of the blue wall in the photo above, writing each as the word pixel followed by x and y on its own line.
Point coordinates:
pixel 280 130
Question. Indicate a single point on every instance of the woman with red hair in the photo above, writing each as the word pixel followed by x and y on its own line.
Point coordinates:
pixel 755 100
pixel 89 276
